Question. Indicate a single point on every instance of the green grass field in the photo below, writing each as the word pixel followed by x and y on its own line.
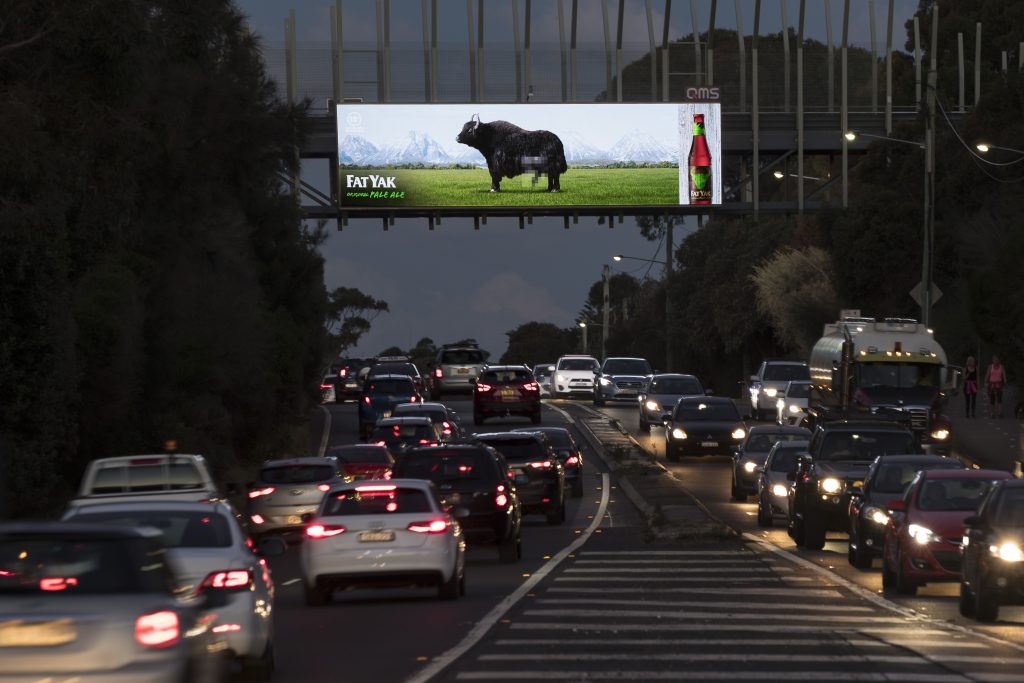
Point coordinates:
pixel 470 188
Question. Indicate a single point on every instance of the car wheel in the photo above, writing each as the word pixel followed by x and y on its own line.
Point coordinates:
pixel 598 401
pixel 645 426
pixel 888 575
pixel 317 596
pixel 735 494
pixel 966 601
pixel 449 590
pixel 260 668
pixel 508 549
pixel 577 487
pixel 904 584
pixel 796 530
pixel 765 517
pixel 858 555
pixel 985 606
pixel 671 454
pixel 814 533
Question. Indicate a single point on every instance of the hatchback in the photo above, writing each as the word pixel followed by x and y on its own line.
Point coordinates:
pixel 706 425
pixel 568 452
pixel 380 396
pixel 504 390
pixel 399 433
pixel 750 457
pixel 539 474
pixel 285 490
pixel 773 480
pixel 659 395
pixel 382 534
pixel 443 416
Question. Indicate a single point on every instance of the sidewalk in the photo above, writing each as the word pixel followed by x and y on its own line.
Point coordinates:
pixel 988 442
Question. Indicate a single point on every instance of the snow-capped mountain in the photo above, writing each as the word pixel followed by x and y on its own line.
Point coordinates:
pixel 468 155
pixel 355 149
pixel 415 148
pixel 642 147
pixel 579 152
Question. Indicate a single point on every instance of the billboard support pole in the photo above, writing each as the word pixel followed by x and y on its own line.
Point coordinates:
pixel 960 70
pixel 430 222
pixel 526 53
pixel 743 57
pixel 561 50
pixel 698 68
pixel 518 50
pixel 476 222
pixel 607 52
pixel 473 87
pixel 874 58
pixel 664 51
pixel 888 72
pixel 565 221
pixel 604 309
pixel 785 56
pixel 379 52
pixel 669 309
pixel 335 85
pixel 800 110
pixel 572 52
pixel 426 49
pixel 977 63
pixel 433 51
pixel 755 110
pixel 844 113
pixel 387 50
pixel 831 58
pixel 653 51
pixel 917 64
pixel 618 52
pixel 711 43
pixel 480 51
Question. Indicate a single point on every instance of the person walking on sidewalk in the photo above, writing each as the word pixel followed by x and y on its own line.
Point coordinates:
pixel 995 378
pixel 971 385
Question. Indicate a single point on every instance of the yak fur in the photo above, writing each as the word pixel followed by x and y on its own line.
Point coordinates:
pixel 511 151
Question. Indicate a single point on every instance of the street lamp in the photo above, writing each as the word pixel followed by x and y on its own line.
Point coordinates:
pixel 668 301
pixel 779 175
pixel 984 147
pixel 929 214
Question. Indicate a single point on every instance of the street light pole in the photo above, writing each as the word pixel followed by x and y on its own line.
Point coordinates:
pixel 583 326
pixel 604 317
pixel 668 295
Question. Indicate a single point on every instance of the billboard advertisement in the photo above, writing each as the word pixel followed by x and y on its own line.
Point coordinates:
pixel 437 156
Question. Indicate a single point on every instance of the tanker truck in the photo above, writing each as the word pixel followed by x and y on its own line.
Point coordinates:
pixel 890 368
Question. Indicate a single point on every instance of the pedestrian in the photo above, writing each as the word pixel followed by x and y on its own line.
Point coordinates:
pixel 971 385
pixel 995 378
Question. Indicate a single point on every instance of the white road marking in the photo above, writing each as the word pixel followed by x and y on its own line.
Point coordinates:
pixel 751 560
pixel 746 642
pixel 685 579
pixel 607 571
pixel 326 433
pixel 703 590
pixel 667 553
pixel 442 661
pixel 707 603
pixel 710 616
pixel 725 628
pixel 291 582
pixel 720 676
pixel 731 657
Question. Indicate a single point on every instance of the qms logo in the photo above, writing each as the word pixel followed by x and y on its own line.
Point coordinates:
pixel 703 94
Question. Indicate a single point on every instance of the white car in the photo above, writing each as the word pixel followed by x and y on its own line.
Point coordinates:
pixel 210 553
pixel 382 533
pixel 792 402
pixel 768 384
pixel 161 476
pixel 575 375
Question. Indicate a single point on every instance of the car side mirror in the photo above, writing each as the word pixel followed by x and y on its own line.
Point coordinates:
pixel 759 469
pixel 973 521
pixel 896 506
pixel 272 547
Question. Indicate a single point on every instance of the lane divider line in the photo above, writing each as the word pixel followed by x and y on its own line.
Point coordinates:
pixel 325 435
pixel 444 660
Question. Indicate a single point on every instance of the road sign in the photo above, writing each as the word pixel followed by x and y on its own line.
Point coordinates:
pixel 917 293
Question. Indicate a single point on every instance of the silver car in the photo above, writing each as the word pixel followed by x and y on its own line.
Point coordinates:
pixel 98 604
pixel 210 555
pixel 659 395
pixel 456 369
pixel 773 480
pixel 287 489
pixel 620 379
pixel 543 373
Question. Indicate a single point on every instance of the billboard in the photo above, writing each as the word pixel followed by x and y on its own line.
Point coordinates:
pixel 523 156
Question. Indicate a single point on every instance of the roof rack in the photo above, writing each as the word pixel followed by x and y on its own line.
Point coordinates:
pixel 465 343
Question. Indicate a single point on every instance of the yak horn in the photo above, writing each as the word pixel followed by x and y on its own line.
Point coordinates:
pixel 476 117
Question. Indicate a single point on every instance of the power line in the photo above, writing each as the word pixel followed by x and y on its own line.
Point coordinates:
pixel 966 146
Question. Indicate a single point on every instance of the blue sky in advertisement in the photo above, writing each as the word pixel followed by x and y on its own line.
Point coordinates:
pixel 457 282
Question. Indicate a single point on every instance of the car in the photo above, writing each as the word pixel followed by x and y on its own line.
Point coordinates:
pixel 993 560
pixel 446 418
pixel 837 460
pixel 505 390
pixel 773 480
pixel 97 604
pixel 793 402
pixel 568 452
pixel 544 374
pixel 477 487
pixel 751 454
pixel 344 376
pixel 212 554
pixel 390 366
pixel 926 527
pixel 362 461
pixel 769 382
pixel 382 533
pixel 886 481
pixel 539 474
pixel 380 396
pixel 703 425
pixel 399 433
pixel 456 368
pixel 287 489
pixel 176 476
pixel 328 392
pixel 659 395
pixel 620 379
pixel 574 376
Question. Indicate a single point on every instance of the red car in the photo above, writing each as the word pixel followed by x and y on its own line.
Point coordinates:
pixel 926 527
pixel 503 390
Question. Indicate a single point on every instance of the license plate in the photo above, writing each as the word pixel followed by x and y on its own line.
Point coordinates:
pixel 294 519
pixel 507 393
pixel 376 536
pixel 44 634
pixel 709 444
pixel 858 483
pixel 463 371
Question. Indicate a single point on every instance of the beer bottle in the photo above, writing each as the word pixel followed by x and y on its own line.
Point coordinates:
pixel 700 164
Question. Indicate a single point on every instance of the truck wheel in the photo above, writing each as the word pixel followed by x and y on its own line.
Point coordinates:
pixel 814 533
pixel 966 601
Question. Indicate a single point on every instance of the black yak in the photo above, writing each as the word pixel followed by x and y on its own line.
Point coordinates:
pixel 511 151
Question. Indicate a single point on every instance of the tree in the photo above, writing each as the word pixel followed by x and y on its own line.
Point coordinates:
pixel 794 291
pixel 349 314
pixel 535 342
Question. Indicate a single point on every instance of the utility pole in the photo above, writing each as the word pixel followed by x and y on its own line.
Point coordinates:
pixel 604 312
pixel 929 180
pixel 668 294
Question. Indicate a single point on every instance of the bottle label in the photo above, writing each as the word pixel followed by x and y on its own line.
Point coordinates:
pixel 698 129
pixel 700 184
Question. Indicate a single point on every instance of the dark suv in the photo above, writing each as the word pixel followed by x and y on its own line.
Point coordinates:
pixel 839 455
pixel 476 487
pixel 539 474
pixel 503 390
pixel 993 571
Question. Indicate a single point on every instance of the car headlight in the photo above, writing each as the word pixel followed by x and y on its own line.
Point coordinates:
pixel 738 433
pixel 605 381
pixel 922 534
pixel 562 378
pixel 1008 551
pixel 750 466
pixel 652 405
pixel 877 515
pixel 831 485
pixel 770 392
pixel 780 491
pixel 940 434
pixel 678 433
pixel 794 408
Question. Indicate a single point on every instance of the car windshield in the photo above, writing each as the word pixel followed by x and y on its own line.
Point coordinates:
pixel 394 369
pixel 961 495
pixel 180 528
pixel 799 390
pixel 513 376
pixel 894 477
pixel 296 474
pixel 762 443
pixel 898 375
pixel 53 566
pixel 142 478
pixel 414 410
pixel 675 385
pixel 578 364
pixel 392 434
pixel 540 371
pixel 1009 510
pixel 441 467
pixel 559 438
pixel 784 372
pixel 348 455
pixel 462 357
pixel 391 387
pixel 784 459
pixel 377 499
pixel 627 366
pixel 697 411
pixel 519 450
pixel 864 445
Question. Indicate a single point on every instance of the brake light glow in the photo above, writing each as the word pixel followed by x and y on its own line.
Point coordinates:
pixel 531 386
pixel 230 579
pixel 227 628
pixel 379 443
pixel 57 583
pixel 541 465
pixel 501 500
pixel 323 487
pixel 366 400
pixel 324 530
pixel 343 372
pixel 572 460
pixel 412 399
pixel 437 373
pixel 257 519
pixel 436 526
pixel 256 493
pixel 325 386
pixel 377 487
pixel 157 630
pixel 483 387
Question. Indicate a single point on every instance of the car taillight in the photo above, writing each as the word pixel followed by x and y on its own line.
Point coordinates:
pixel 158 629
pixel 387 474
pixel 531 386
pixel 541 465
pixel 483 387
pixel 256 493
pixel 366 400
pixel 500 499
pixel 380 443
pixel 325 386
pixel 257 519
pixel 412 399
pixel 227 580
pixel 323 487
pixel 437 373
pixel 343 372
pixel 435 526
pixel 428 442
pixel 572 460
pixel 324 530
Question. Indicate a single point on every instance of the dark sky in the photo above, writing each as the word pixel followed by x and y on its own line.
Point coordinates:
pixel 455 282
